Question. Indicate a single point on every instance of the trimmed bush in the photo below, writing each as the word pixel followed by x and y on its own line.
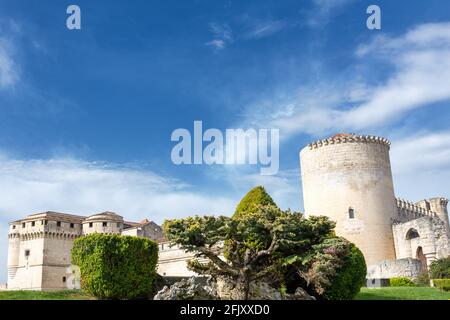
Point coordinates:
pixel 440 269
pixel 349 279
pixel 443 284
pixel 114 266
pixel 252 200
pixel 401 282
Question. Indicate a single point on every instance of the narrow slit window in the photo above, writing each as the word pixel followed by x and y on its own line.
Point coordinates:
pixel 351 213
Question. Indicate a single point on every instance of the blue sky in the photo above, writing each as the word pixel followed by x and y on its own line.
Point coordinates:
pixel 86 116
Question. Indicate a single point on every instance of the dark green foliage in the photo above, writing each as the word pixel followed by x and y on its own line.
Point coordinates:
pixel 401 282
pixel 442 284
pixel 114 266
pixel 440 269
pixel 252 200
pixel 349 278
pixel 254 242
pixel 263 243
pixel 334 269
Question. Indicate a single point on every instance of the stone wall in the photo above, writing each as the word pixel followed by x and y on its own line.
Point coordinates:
pixel 431 237
pixel 387 269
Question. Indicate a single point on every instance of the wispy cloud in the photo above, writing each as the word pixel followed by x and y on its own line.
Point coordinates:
pixel 422 161
pixel 419 64
pixel 222 36
pixel 81 187
pixel 323 11
pixel 9 69
pixel 257 29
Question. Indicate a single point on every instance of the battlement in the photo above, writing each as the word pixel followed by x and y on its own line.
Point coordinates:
pixel 349 138
pixel 409 210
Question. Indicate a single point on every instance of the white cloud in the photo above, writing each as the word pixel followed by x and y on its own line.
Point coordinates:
pixel 422 152
pixel 420 76
pixel 421 165
pixel 222 36
pixel 79 187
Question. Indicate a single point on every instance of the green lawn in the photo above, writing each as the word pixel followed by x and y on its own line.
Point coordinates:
pixel 44 295
pixel 389 293
pixel 402 293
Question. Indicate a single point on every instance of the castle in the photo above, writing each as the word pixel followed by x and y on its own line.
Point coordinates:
pixel 346 177
pixel 40 245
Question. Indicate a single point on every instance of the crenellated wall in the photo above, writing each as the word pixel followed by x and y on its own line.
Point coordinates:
pixel 407 210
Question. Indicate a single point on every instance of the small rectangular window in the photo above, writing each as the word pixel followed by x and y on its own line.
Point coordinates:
pixel 91 224
pixel 42 222
pixel 351 213
pixel 14 227
pixel 33 223
pixel 72 226
pixel 105 224
pixel 46 222
pixel 118 224
pixel 58 223
pixel 64 279
pixel 27 253
pixel 23 225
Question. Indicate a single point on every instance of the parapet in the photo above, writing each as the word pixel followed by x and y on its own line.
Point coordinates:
pixel 348 138
pixel 410 210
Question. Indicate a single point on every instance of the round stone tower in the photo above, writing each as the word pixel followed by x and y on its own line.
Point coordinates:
pixel 105 222
pixel 349 179
pixel 13 252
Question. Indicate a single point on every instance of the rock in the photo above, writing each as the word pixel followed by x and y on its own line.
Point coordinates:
pixel 187 289
pixel 259 290
pixel 224 289
pixel 300 294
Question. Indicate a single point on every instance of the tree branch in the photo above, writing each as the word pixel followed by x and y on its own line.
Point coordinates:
pixel 211 255
pixel 269 250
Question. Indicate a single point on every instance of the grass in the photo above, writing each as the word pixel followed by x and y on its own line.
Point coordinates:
pixel 402 293
pixel 44 295
pixel 388 293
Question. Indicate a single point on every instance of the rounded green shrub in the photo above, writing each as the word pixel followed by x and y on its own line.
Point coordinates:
pixel 401 282
pixel 440 269
pixel 349 278
pixel 115 266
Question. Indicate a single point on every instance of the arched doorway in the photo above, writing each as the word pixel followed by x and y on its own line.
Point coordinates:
pixel 421 257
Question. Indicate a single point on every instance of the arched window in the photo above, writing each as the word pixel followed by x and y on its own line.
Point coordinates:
pixel 412 234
